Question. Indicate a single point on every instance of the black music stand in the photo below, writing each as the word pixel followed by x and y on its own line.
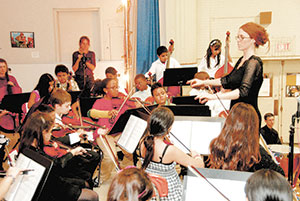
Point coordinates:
pixel 122 120
pixel 179 76
pixel 185 100
pixel 40 162
pixel 178 110
pixel 74 95
pixel 14 102
pixel 86 104
pixel 190 110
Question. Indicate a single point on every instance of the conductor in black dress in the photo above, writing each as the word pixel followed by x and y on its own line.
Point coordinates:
pixel 246 78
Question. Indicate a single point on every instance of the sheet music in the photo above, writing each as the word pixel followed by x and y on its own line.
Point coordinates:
pixel 196 186
pixel 196 134
pixel 132 133
pixel 182 130
pixel 74 137
pixel 25 185
pixel 202 134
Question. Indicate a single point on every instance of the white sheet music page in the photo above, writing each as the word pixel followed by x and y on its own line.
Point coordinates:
pixel 132 133
pixel 196 186
pixel 202 134
pixel 25 185
pixel 182 130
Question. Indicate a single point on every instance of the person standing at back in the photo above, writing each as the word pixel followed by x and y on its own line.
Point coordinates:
pixel 84 63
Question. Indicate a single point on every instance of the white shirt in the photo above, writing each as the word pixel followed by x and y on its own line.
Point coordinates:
pixel 143 95
pixel 65 85
pixel 157 68
pixel 215 106
pixel 213 68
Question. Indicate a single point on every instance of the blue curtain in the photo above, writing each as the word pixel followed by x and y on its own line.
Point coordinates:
pixel 148 39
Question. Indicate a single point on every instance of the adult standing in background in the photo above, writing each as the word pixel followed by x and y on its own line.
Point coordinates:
pixel 84 63
pixel 246 78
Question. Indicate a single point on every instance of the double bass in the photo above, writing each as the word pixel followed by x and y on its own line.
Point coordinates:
pixel 172 90
pixel 226 68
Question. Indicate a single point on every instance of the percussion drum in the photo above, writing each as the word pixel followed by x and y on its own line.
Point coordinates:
pixel 281 154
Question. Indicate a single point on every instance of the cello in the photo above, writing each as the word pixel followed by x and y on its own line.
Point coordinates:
pixel 226 68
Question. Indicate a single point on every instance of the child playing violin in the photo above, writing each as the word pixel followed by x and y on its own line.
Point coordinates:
pixel 159 95
pixel 158 157
pixel 71 175
pixel 107 110
pixel 141 84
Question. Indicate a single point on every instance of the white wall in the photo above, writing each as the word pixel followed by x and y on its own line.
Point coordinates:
pixel 37 16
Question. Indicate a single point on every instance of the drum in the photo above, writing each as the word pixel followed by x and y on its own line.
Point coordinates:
pixel 281 154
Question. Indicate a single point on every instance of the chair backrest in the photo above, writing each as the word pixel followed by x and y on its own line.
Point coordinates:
pixel 160 184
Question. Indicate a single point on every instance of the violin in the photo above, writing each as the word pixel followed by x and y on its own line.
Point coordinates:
pixel 55 149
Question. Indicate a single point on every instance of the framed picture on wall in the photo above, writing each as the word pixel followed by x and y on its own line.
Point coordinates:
pixel 22 39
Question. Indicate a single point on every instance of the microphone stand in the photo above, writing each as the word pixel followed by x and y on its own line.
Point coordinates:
pixel 291 143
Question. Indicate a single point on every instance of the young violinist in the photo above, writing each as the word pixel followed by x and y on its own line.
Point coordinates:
pixel 71 176
pixel 60 100
pixel 144 91
pixel 64 80
pixel 111 72
pixel 159 95
pixel 158 157
pixel 43 89
pixel 107 110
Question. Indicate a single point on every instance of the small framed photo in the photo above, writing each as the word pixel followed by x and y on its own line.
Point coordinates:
pixel 22 39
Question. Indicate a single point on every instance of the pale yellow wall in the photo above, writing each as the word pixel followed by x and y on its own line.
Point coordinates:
pixel 205 20
pixel 194 23
pixel 37 16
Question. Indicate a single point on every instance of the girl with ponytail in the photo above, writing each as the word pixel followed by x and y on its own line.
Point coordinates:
pixel 158 157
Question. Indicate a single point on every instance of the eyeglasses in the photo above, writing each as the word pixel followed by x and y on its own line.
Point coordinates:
pixel 241 37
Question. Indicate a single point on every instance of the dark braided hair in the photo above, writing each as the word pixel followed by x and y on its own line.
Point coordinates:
pixel 160 121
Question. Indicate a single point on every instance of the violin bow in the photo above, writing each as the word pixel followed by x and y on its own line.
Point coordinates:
pixel 218 99
pixel 79 112
pixel 110 151
pixel 147 110
pixel 105 141
pixel 198 174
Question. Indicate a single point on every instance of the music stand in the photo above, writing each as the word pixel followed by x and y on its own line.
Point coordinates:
pixel 37 178
pixel 74 95
pixel 86 104
pixel 190 110
pixel 224 180
pixel 14 102
pixel 179 76
pixel 122 120
pixel 185 100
